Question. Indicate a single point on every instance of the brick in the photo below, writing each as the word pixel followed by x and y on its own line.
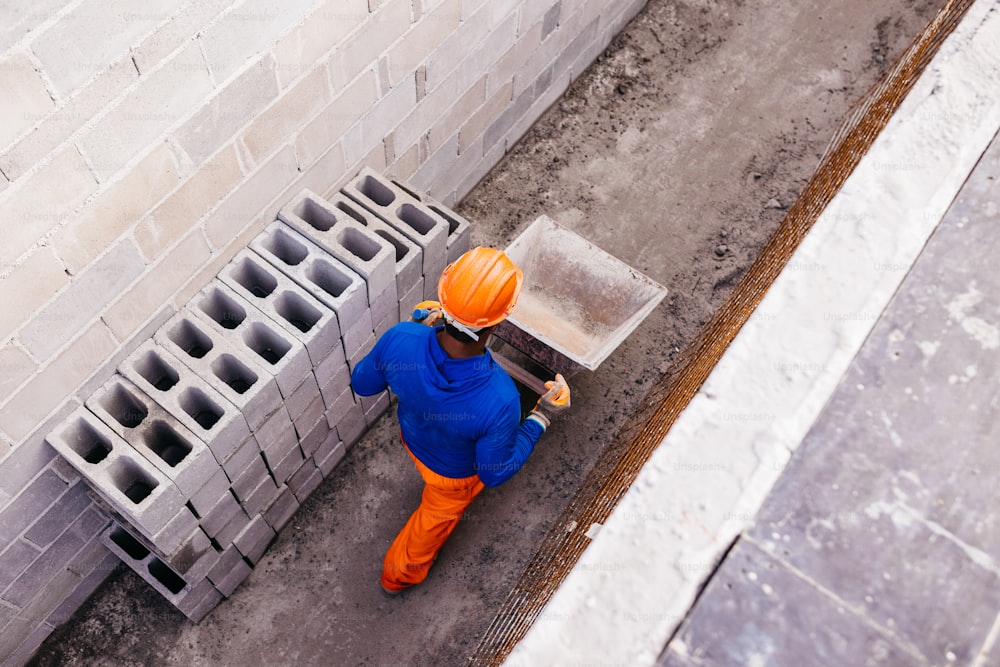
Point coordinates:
pixel 67 314
pixel 470 34
pixel 427 33
pixel 182 209
pixel 285 302
pixel 260 497
pixel 58 516
pixel 209 495
pixel 124 479
pixel 161 99
pixel 220 515
pixel 335 229
pixel 330 453
pixel 480 170
pixel 43 569
pixel 302 397
pixel 17 17
pixel 65 471
pixel 311 441
pixel 30 457
pixel 235 373
pixel 316 175
pixel 516 55
pixel 322 30
pixel 71 56
pixel 55 129
pixel 116 209
pixel 17 367
pixel 155 434
pixel 251 198
pixel 247 29
pixel 402 212
pixel 291 111
pixel 352 425
pixel 14 560
pixel 157 284
pixel 44 392
pixel 219 120
pixel 458 106
pixel 332 122
pixel 194 403
pixel 254 539
pixel 82 591
pixel 484 116
pixel 184 24
pixel 40 201
pixel 356 53
pixel 246 327
pixel 27 100
pixel 388 112
pixel 328 279
pixel 229 572
pixel 281 510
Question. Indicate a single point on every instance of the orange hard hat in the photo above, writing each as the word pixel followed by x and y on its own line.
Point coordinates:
pixel 480 288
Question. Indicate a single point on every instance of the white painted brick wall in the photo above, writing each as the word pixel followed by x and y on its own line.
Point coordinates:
pixel 144 144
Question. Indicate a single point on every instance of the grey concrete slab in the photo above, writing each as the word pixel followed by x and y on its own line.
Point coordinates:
pixel 758 611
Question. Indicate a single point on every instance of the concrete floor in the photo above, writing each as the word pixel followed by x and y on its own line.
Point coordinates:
pixel 676 152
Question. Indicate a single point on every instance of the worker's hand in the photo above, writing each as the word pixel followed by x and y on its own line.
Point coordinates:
pixel 427 312
pixel 553 402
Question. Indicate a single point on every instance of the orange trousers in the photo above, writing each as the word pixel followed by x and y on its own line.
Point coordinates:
pixel 412 552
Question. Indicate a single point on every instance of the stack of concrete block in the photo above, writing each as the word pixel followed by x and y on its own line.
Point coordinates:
pixel 216 429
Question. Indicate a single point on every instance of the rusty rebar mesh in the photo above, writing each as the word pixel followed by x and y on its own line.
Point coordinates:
pixel 621 461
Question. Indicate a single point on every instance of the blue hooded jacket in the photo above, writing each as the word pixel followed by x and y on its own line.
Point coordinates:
pixel 459 417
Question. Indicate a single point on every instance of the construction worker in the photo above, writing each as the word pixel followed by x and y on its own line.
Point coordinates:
pixel 459 412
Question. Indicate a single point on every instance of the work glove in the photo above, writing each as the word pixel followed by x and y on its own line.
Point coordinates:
pixel 427 312
pixel 552 402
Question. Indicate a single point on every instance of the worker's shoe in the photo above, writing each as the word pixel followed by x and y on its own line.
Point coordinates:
pixel 390 591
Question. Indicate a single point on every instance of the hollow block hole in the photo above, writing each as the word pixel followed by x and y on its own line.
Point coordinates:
pixel 376 191
pixel 163 574
pixel 401 248
pixel 358 243
pixel 255 278
pixel 121 404
pixel 234 373
pixel 328 278
pixel 156 371
pixel 166 443
pixel 270 346
pixel 452 222
pixel 86 441
pixel 128 544
pixel 131 480
pixel 190 338
pixel 201 408
pixel 284 247
pixel 222 308
pixel 315 215
pixel 351 211
pixel 415 218
pixel 297 311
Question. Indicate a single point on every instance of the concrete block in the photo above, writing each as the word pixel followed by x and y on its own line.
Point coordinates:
pixel 302 397
pixel 128 482
pixel 403 212
pixel 277 432
pixel 208 496
pixel 276 454
pixel 229 532
pixel 329 454
pixel 188 397
pixel 409 300
pixel 359 337
pixel 237 319
pixel 254 539
pixel 24 287
pixel 365 348
pixel 375 406
pixel 331 124
pixel 315 437
pixel 169 539
pixel 459 231
pixel 331 367
pixel 335 229
pixel 286 302
pixel 229 572
pixel 220 515
pixel 386 305
pixel 431 278
pixel 15 559
pixel 352 425
pixel 234 372
pixel 311 416
pixel 260 497
pixel 324 276
pixel 280 122
pixel 337 380
pixel 82 592
pixel 385 325
pixel 340 406
pixel 284 468
pixel 281 510
pixel 196 612
pixel 305 480
pixel 244 485
pixel 29 100
pixel 240 459
pixel 38 575
pixel 154 433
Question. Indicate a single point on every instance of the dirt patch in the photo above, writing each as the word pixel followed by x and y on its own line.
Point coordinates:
pixel 678 152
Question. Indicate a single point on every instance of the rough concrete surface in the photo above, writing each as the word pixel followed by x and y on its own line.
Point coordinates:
pixel 677 152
